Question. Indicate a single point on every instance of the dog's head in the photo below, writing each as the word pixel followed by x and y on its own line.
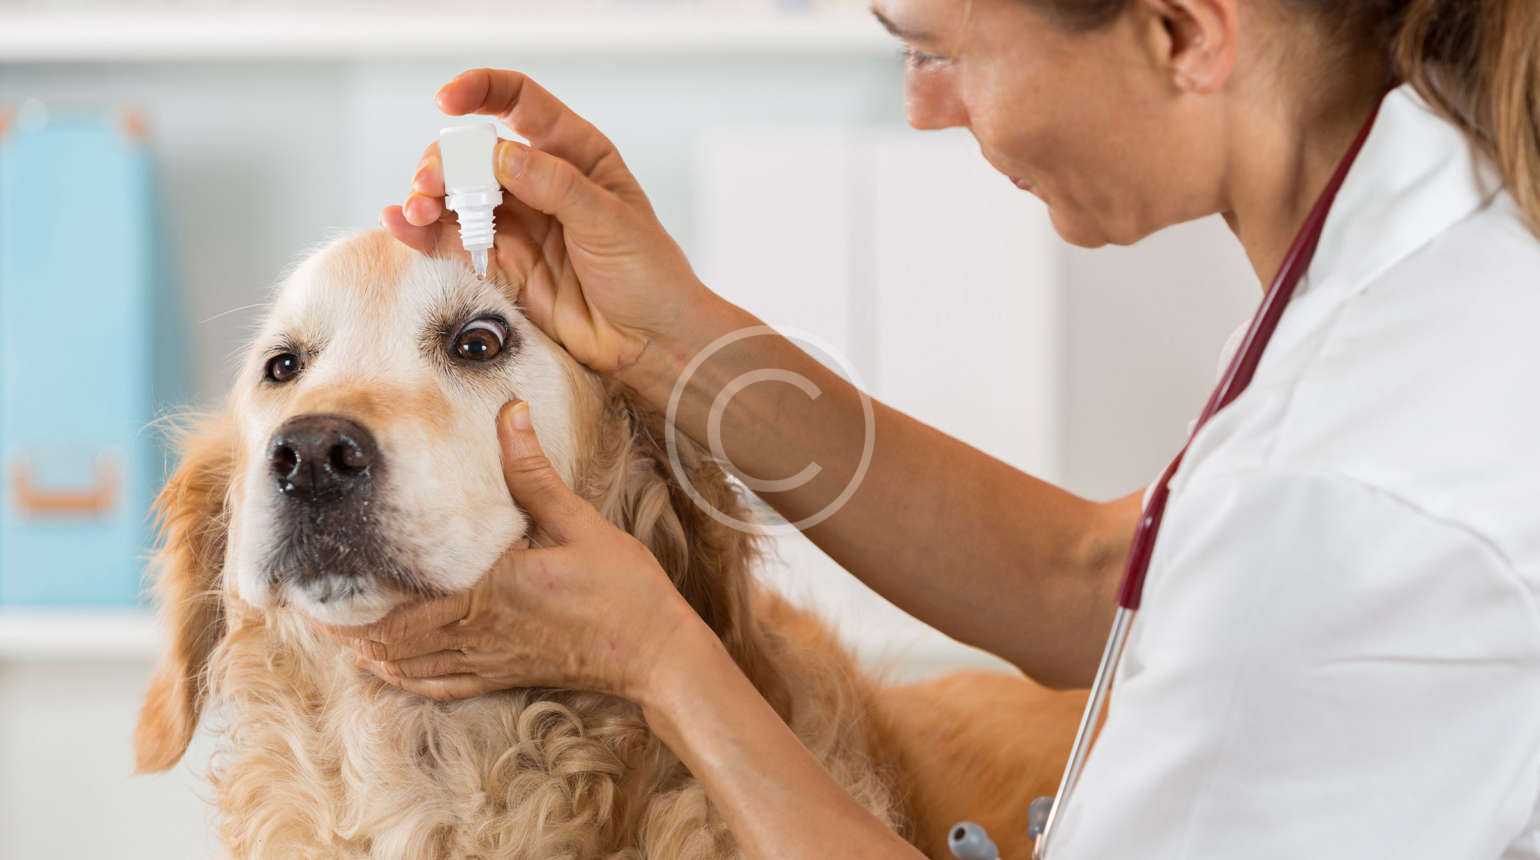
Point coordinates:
pixel 357 466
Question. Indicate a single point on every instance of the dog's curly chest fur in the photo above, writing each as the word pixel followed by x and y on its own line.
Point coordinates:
pixel 318 759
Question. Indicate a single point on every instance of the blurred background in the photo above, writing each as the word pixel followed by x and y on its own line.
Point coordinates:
pixel 162 163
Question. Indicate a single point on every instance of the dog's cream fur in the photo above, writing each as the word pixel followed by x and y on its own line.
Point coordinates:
pixel 315 758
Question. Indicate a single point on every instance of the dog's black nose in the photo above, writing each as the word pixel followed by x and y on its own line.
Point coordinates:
pixel 320 457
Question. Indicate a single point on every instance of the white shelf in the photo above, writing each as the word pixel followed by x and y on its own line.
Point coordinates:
pixel 248 34
pixel 96 635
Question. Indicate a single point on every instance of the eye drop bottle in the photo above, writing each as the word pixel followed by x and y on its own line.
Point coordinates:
pixel 470 186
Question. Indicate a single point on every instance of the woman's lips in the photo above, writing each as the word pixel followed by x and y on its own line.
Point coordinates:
pixel 1023 184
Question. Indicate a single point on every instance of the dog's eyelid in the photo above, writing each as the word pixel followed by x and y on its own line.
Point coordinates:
pixel 472 345
pixel 286 343
pixel 286 346
pixel 283 368
pixel 492 323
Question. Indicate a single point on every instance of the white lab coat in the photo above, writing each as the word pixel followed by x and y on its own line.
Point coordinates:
pixel 1338 654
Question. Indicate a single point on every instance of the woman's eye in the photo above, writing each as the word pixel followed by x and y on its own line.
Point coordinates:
pixel 480 340
pixel 284 367
pixel 917 59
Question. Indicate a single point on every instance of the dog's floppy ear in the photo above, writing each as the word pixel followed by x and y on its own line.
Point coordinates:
pixel 191 511
pixel 630 479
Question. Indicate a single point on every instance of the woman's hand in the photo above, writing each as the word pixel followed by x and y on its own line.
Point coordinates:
pixel 594 612
pixel 601 276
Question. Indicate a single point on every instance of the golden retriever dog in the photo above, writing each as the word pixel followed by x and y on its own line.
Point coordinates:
pixel 355 467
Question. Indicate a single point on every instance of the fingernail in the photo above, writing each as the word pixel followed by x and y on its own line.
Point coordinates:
pixel 518 417
pixel 413 210
pixel 511 158
pixel 419 179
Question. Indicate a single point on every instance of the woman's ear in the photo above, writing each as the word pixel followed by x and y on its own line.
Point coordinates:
pixel 192 514
pixel 1193 41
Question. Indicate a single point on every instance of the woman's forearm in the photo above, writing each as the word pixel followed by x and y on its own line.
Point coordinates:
pixel 779 802
pixel 982 551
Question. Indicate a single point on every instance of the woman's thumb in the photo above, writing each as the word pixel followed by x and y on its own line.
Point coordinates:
pixel 532 480
pixel 553 185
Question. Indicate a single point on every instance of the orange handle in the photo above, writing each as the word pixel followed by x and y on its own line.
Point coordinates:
pixel 97 500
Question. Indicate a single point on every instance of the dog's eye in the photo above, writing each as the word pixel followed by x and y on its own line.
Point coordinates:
pixel 284 367
pixel 480 340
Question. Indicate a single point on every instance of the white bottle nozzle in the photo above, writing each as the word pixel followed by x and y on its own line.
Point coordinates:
pixel 470 187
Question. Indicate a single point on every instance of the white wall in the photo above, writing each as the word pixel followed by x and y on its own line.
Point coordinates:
pixel 1142 333
pixel 66 761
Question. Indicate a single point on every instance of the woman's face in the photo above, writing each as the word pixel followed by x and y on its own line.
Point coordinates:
pixel 1090 122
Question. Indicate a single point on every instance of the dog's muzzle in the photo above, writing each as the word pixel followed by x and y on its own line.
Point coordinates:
pixel 326 472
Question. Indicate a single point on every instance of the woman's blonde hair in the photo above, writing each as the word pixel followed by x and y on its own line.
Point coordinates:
pixel 1478 61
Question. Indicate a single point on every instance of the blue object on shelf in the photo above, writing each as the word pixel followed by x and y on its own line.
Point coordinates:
pixel 88 335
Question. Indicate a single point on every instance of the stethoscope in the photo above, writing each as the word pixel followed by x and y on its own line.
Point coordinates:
pixel 969 841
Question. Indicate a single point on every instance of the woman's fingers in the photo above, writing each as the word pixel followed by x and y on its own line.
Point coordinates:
pixel 431 665
pixel 422 210
pixel 532 480
pixel 531 111
pixel 424 203
pixel 424 239
pixel 409 621
pixel 552 185
pixel 444 688
pixel 447 638
pixel 429 178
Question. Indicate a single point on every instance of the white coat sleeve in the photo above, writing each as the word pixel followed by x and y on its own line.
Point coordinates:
pixel 1321 670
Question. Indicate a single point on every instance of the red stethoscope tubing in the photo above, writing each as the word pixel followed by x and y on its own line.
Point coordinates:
pixel 1242 367
pixel 1237 376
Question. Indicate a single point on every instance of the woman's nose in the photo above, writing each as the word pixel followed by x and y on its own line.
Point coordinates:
pixel 933 105
pixel 317 458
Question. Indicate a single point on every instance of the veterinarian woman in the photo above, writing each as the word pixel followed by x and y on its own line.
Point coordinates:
pixel 1338 654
